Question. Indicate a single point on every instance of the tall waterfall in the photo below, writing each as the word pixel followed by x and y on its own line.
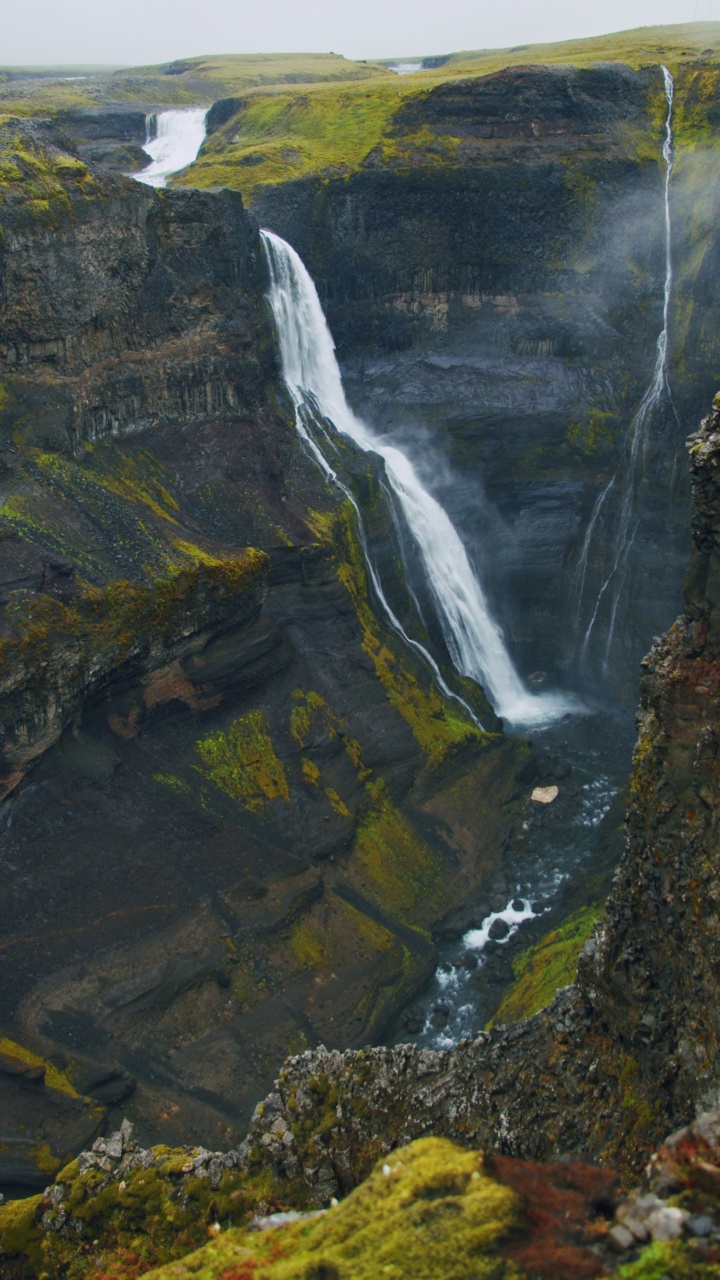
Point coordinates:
pixel 311 372
pixel 629 473
pixel 179 136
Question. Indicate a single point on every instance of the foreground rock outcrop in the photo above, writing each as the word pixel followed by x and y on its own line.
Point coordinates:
pixel 427 1209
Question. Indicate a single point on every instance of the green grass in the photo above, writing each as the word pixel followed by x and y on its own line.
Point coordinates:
pixel 545 967
pixel 192 81
pixel 280 136
pixel 326 130
pixel 674 44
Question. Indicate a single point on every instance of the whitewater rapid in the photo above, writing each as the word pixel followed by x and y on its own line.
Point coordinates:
pixel 473 638
pixel 177 138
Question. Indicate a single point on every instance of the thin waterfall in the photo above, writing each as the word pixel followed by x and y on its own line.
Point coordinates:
pixel 312 375
pixel 173 141
pixel 630 469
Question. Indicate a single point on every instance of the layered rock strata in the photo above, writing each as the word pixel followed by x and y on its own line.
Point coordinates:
pixel 235 805
pixel 627 1052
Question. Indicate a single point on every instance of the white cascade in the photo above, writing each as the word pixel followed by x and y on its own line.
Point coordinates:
pixel 630 467
pixel 178 137
pixel 311 372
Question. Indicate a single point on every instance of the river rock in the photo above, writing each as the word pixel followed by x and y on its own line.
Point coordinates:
pixel 545 795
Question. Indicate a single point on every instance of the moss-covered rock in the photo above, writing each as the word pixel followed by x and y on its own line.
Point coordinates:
pixel 427 1210
pixel 547 965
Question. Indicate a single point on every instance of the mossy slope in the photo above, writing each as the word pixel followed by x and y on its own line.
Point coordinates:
pixel 426 1211
pixel 546 966
pixel 185 82
pixel 337 130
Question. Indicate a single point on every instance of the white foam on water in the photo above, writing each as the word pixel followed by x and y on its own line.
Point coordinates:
pixel 178 137
pixel 477 939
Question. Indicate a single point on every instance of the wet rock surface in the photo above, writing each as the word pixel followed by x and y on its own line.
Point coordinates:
pixel 493 278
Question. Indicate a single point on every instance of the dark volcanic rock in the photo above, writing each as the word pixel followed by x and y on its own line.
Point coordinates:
pixel 235 806
pixel 493 276
pixel 141 309
pixel 630 1051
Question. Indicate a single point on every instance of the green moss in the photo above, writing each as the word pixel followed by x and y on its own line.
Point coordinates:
pixel 137 479
pixel 395 865
pixel 695 115
pixel 150 1217
pixel 19 1234
pixel 375 937
pixel 241 761
pixel 124 617
pixel 280 136
pixel 436 724
pixel 668 1258
pixel 310 771
pixel 433 1213
pixel 43 182
pixel 593 435
pixel 54 1079
pixel 44 1159
pixel 68 645
pixel 309 946
pixel 311 716
pixel 337 803
pixel 176 784
pixel 546 966
pixel 640 1110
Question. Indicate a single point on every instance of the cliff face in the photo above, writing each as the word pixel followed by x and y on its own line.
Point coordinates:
pixel 234 806
pixel 493 274
pixel 128 308
pixel 630 1050
pixel 653 978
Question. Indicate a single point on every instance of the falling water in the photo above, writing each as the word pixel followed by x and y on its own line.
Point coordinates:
pixel 631 465
pixel 178 137
pixel 311 372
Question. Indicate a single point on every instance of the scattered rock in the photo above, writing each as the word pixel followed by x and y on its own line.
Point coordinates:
pixel 499 929
pixel 620 1238
pixel 545 795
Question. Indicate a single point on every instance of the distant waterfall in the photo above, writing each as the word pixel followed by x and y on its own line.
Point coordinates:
pixel 311 372
pixel 629 472
pixel 177 138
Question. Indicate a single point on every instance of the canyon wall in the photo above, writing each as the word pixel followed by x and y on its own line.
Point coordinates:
pixel 629 1051
pixel 493 274
pixel 235 803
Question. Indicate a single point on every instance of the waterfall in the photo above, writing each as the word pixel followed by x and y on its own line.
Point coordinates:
pixel 311 372
pixel 629 471
pixel 177 138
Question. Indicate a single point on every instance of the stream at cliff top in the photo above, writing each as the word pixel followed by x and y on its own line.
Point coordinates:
pixel 473 638
pixel 177 138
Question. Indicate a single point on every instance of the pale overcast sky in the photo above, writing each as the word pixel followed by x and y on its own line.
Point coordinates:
pixel 143 31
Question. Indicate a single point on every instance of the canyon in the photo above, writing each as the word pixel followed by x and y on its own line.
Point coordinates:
pixel 253 804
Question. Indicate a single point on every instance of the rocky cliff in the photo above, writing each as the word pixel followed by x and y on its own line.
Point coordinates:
pixel 490 253
pixel 627 1052
pixel 235 805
